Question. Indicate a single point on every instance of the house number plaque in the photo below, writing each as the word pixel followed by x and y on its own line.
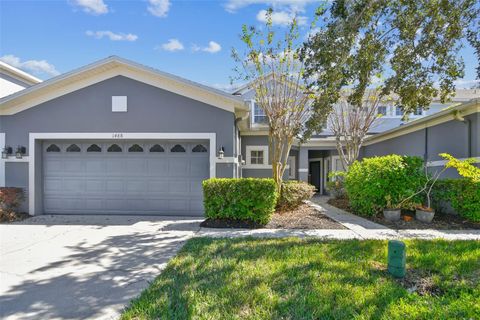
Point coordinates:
pixel 117 135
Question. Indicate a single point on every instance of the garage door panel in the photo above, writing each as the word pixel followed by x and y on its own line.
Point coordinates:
pixel 94 166
pixel 115 166
pixel 114 186
pixel 157 166
pixel 94 186
pixel 168 183
pixel 179 167
pixel 138 186
pixel 158 186
pixel 135 166
pixel 74 185
pixel 52 184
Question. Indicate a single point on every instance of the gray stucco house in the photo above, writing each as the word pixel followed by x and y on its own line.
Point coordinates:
pixel 117 137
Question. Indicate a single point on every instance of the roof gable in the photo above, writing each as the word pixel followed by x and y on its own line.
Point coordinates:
pixel 109 68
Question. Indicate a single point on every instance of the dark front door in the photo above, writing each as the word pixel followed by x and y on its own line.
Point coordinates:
pixel 315 174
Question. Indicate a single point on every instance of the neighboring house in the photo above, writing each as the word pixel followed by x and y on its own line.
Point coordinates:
pixel 453 127
pixel 116 137
pixel 13 79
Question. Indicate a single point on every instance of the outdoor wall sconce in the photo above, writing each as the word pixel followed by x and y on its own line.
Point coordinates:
pixel 20 152
pixel 6 152
pixel 221 152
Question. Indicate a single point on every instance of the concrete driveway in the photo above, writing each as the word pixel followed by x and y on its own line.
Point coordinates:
pixel 83 267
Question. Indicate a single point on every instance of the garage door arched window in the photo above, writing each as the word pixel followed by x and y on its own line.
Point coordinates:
pixel 199 148
pixel 94 148
pixel 135 148
pixel 114 148
pixel 73 148
pixel 177 148
pixel 53 148
pixel 157 148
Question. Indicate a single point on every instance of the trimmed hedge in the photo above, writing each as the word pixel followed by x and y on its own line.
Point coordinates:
pixel 371 181
pixel 293 194
pixel 462 194
pixel 248 199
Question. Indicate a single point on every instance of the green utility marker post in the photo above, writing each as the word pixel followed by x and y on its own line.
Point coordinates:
pixel 397 258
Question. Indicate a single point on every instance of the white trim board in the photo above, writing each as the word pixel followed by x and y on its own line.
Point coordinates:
pixel 2 163
pixel 33 137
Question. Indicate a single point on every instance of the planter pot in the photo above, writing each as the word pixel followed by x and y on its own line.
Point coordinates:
pixel 424 216
pixel 391 214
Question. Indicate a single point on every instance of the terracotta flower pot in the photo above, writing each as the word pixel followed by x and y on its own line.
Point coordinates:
pixel 391 214
pixel 424 215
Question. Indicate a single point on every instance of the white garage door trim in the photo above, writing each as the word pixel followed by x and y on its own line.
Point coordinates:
pixel 33 137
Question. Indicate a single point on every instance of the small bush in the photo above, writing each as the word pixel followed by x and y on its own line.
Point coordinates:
pixel 10 198
pixel 462 194
pixel 370 182
pixel 336 185
pixel 248 199
pixel 293 194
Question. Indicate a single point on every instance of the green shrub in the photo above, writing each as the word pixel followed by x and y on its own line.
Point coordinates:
pixel 336 185
pixel 249 199
pixel 462 194
pixel 293 194
pixel 370 182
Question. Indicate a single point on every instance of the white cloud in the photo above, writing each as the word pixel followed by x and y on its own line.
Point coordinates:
pixel 112 36
pixel 281 18
pixel 34 66
pixel 159 8
pixel 294 5
pixel 172 45
pixel 213 47
pixel 92 6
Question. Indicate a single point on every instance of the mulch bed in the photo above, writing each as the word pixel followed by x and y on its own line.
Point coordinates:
pixel 10 216
pixel 414 281
pixel 441 221
pixel 304 217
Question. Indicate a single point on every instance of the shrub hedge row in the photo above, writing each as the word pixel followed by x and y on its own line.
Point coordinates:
pixel 462 194
pixel 250 199
pixel 370 182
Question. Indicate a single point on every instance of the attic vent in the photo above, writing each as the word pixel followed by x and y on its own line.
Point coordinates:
pixel 119 103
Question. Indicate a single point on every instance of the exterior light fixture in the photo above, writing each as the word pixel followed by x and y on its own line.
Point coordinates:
pixel 6 152
pixel 20 152
pixel 221 152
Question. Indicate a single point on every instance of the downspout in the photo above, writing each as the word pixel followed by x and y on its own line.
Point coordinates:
pixel 469 137
pixel 425 154
pixel 239 141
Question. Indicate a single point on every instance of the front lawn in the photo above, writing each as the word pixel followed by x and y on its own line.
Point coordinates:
pixel 312 279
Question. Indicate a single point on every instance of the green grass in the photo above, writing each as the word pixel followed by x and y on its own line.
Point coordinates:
pixel 310 279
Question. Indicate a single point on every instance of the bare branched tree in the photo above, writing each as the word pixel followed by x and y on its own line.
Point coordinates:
pixel 350 125
pixel 275 72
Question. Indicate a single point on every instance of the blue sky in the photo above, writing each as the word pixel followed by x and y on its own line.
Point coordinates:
pixel 192 39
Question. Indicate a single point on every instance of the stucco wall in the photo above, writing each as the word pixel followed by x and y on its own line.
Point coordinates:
pixel 150 109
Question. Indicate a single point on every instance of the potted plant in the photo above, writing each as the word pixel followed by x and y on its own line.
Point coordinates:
pixel 391 212
pixel 425 212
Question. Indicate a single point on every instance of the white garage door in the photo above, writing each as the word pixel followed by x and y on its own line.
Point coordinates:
pixel 129 177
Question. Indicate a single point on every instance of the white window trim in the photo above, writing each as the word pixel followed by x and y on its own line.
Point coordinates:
pixel 248 157
pixel 254 124
pixel 33 137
